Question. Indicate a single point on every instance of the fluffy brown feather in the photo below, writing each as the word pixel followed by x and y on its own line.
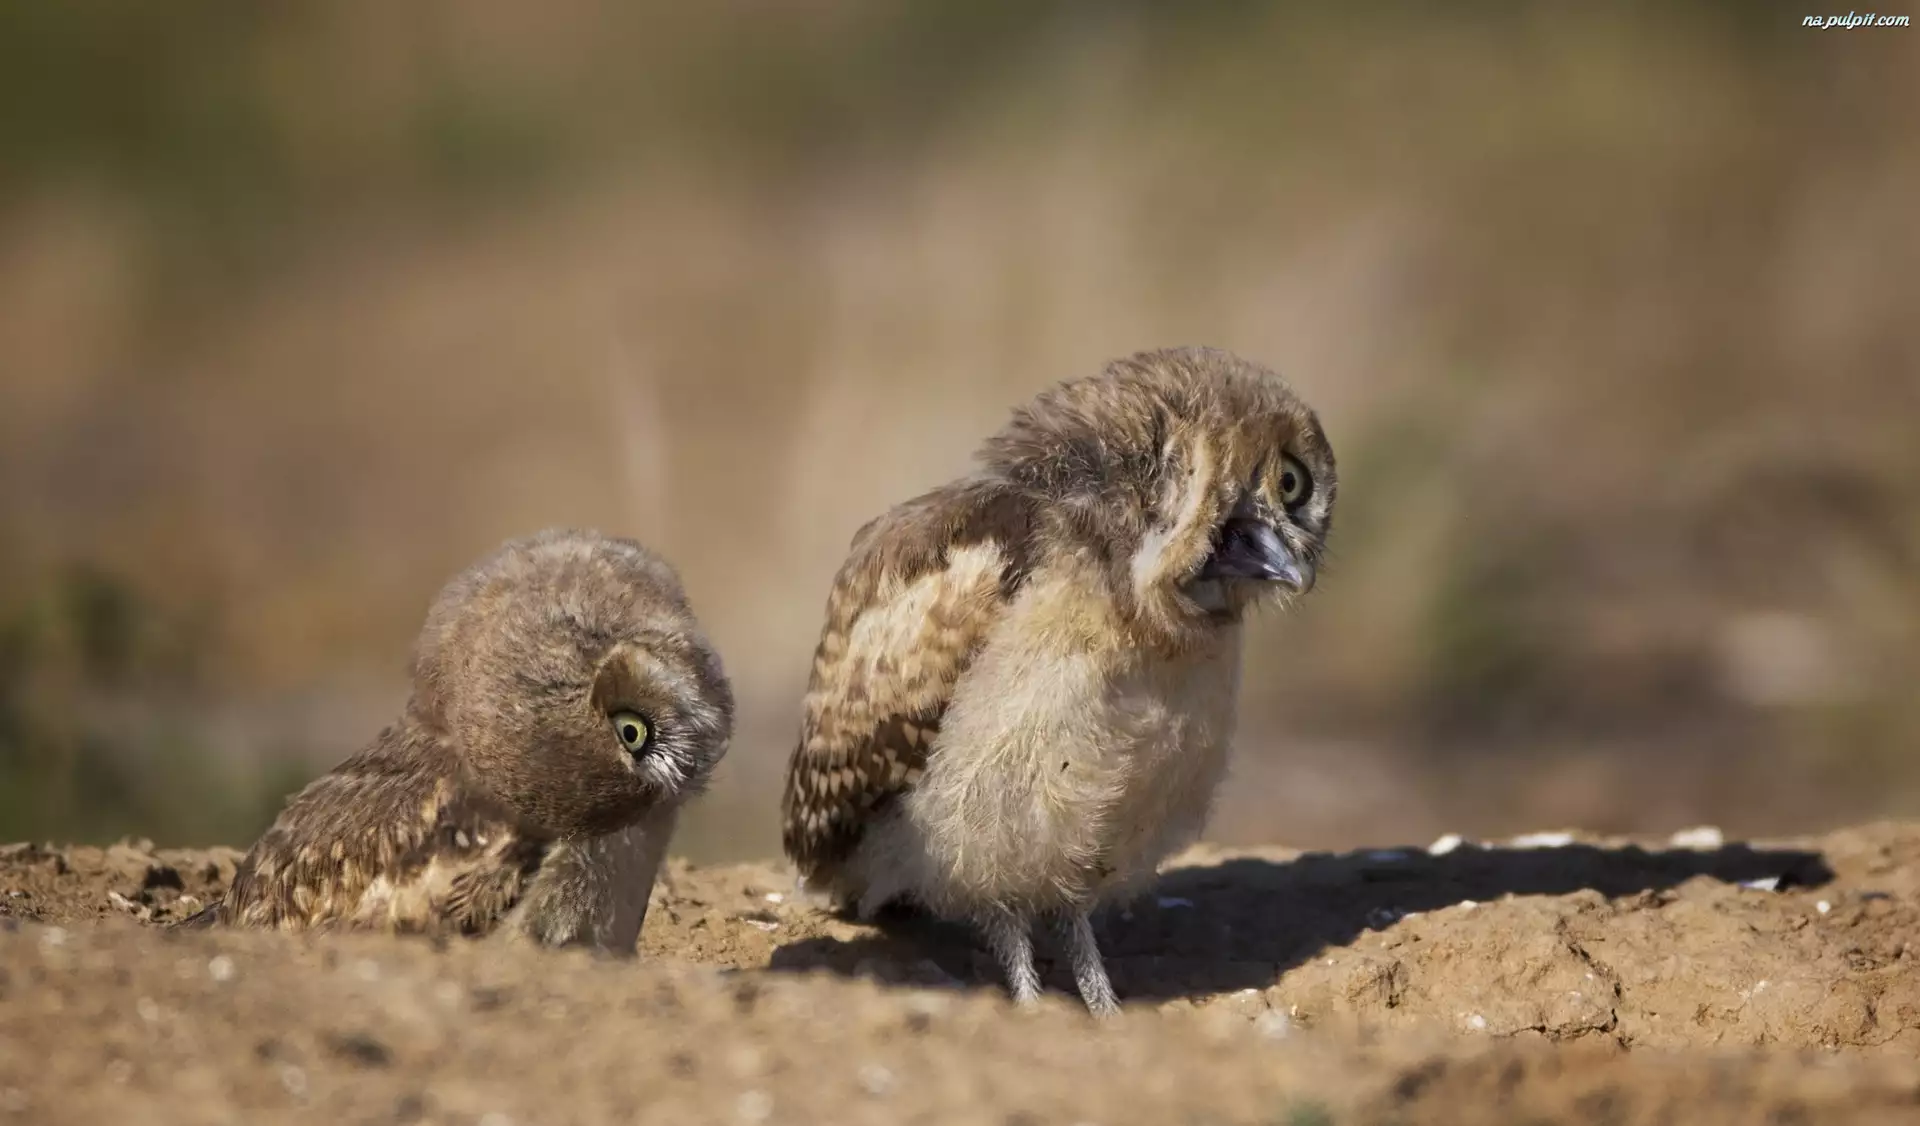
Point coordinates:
pixel 505 796
pixel 381 843
pixel 908 610
pixel 1023 694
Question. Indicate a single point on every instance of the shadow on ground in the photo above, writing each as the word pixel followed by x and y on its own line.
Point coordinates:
pixel 1241 923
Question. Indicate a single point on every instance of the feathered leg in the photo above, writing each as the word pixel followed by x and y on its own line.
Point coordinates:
pixel 1011 938
pixel 1089 970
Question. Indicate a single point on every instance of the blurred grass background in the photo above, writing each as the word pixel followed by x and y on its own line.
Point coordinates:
pixel 1607 309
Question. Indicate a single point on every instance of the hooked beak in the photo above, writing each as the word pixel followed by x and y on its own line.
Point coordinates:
pixel 1251 549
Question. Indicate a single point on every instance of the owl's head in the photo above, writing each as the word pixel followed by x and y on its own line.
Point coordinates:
pixel 1199 480
pixel 568 671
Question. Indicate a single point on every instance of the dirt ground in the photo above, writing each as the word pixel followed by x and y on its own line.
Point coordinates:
pixel 1541 981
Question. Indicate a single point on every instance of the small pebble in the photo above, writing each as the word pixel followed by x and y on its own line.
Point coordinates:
pixel 1542 840
pixel 294 1080
pixel 1823 907
pixel 1768 883
pixel 1700 836
pixel 1273 1024
pixel 762 925
pixel 753 1106
pixel 1248 1003
pixel 1467 904
pixel 1446 844
pixel 1477 1022
pixel 774 897
pixel 876 1080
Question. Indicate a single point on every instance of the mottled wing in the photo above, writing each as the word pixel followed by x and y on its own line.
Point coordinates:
pixel 909 609
pixel 488 885
pixel 387 841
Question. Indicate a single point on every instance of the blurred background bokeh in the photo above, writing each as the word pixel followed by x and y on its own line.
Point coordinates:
pixel 1608 309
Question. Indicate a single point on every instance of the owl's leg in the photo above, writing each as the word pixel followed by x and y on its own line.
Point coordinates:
pixel 1089 970
pixel 1011 938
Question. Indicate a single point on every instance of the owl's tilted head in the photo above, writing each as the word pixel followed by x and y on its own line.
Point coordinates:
pixel 1200 480
pixel 571 676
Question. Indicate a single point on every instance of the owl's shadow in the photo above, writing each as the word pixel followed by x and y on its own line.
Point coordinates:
pixel 1241 923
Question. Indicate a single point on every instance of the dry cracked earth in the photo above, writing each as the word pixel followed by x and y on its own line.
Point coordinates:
pixel 1547 980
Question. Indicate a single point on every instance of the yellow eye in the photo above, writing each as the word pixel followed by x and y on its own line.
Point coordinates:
pixel 633 730
pixel 1295 482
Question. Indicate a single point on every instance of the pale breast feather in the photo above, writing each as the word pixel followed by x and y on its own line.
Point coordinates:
pixel 908 611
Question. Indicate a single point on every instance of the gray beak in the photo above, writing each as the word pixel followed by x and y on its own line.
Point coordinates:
pixel 1250 549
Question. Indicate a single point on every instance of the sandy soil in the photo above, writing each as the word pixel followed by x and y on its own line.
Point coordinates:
pixel 1686 982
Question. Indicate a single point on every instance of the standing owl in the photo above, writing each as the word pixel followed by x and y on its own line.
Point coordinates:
pixel 1023 696
pixel 565 706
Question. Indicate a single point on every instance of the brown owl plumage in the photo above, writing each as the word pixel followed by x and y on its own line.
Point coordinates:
pixel 1023 695
pixel 565 705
